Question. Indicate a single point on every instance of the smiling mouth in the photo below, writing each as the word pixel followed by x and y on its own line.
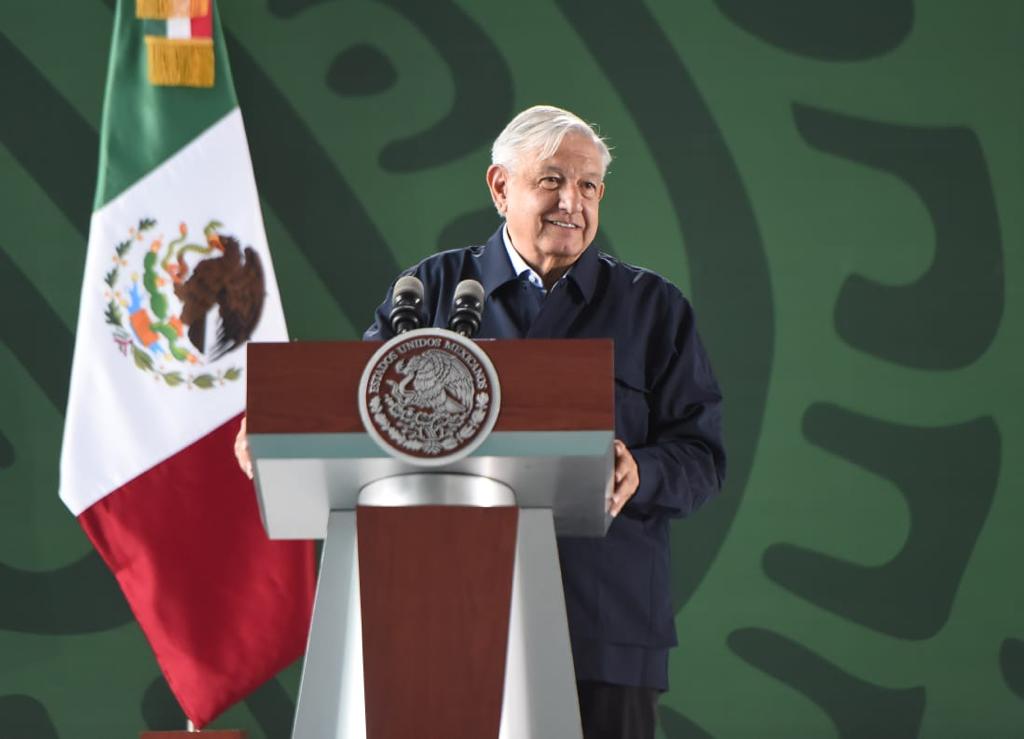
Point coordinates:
pixel 563 224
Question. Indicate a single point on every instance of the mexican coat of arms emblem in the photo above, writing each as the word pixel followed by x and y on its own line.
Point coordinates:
pixel 177 306
pixel 429 396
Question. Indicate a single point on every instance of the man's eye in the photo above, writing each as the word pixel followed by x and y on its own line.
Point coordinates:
pixel 549 183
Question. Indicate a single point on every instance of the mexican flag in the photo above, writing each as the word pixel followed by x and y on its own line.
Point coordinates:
pixel 178 277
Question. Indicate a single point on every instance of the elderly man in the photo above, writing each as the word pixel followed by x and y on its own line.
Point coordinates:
pixel 542 280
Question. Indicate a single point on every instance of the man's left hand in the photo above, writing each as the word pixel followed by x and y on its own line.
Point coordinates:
pixel 627 478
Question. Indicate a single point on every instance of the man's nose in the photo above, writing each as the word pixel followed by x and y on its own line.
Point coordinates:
pixel 570 198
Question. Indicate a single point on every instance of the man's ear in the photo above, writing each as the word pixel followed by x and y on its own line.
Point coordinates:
pixel 497 183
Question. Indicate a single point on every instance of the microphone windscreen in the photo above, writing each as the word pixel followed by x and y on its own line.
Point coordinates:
pixel 408 284
pixel 470 289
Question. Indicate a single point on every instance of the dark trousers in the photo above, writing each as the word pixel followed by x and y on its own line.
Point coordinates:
pixel 617 711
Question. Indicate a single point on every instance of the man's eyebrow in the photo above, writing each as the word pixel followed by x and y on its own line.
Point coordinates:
pixel 548 168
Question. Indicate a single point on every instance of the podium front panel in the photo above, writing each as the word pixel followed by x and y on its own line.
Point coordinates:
pixel 552 442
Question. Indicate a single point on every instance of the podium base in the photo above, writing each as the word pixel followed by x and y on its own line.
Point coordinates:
pixel 538 688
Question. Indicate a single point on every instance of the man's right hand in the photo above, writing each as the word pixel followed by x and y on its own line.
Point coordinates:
pixel 242 450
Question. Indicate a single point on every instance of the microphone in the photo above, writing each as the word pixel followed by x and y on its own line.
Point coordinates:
pixel 406 301
pixel 467 308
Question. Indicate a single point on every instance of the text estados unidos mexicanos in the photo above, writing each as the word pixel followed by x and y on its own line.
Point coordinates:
pixel 378 372
pixel 466 356
pixel 427 342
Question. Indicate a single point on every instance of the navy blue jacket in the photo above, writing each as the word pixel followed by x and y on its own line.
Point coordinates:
pixel 667 411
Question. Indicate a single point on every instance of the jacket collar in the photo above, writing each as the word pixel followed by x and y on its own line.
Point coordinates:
pixel 496 268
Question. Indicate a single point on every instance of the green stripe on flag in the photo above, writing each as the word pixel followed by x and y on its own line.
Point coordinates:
pixel 144 124
pixel 153 28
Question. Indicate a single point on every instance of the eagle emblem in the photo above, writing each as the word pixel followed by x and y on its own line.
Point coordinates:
pixel 429 396
pixel 439 382
pixel 178 306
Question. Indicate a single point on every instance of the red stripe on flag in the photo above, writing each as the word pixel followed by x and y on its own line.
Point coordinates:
pixel 202 26
pixel 223 607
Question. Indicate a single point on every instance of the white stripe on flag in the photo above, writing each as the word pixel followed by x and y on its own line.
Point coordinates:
pixel 179 28
pixel 121 420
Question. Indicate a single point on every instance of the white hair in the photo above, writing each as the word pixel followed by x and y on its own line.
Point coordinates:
pixel 541 129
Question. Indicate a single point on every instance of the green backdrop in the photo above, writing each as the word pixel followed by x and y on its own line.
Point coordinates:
pixel 837 184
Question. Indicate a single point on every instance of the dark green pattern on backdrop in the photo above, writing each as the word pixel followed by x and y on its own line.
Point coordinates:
pixel 948 317
pixel 833 183
pixel 831 30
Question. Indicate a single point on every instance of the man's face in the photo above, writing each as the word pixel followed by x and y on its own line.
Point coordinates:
pixel 551 205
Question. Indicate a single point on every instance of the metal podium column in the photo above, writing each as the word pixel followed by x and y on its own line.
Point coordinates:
pixel 540 699
pixel 330 703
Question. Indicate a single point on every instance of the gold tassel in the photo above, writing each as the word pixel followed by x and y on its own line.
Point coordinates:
pixel 180 62
pixel 162 9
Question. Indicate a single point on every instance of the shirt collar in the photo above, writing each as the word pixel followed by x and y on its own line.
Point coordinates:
pixel 496 266
pixel 519 265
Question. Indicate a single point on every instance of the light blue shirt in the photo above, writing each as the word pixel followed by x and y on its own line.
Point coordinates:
pixel 519 265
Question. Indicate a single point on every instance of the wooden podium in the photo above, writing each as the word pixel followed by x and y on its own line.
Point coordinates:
pixel 439 609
